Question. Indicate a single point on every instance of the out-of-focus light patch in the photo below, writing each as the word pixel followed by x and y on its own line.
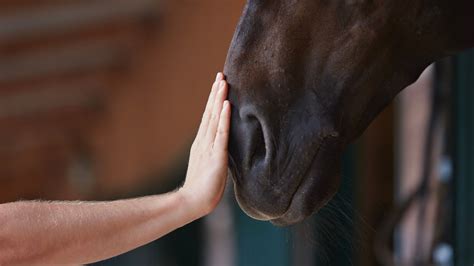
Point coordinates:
pixel 80 175
pixel 443 255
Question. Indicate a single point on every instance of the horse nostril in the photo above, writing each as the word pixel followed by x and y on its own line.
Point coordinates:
pixel 256 151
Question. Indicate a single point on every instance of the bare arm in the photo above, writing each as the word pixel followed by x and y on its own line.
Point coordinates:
pixel 86 232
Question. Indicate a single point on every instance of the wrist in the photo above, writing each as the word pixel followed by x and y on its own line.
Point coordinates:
pixel 192 204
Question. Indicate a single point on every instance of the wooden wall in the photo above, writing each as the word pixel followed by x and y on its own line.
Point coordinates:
pixel 97 97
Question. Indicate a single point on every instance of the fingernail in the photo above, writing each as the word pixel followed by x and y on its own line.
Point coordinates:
pixel 226 104
pixel 219 76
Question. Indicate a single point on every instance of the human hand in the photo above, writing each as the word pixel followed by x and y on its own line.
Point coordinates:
pixel 207 170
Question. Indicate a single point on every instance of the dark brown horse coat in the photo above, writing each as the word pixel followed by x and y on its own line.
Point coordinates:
pixel 308 76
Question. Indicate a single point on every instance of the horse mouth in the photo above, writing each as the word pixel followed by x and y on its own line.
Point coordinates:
pixel 288 218
pixel 281 219
pixel 302 202
pixel 292 213
pixel 315 187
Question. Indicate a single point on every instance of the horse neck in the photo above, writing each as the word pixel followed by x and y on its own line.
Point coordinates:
pixel 460 22
pixel 448 23
pixel 433 28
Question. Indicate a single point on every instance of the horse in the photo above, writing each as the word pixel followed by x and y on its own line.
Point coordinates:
pixel 307 77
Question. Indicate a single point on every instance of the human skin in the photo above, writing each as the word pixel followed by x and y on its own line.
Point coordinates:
pixel 85 232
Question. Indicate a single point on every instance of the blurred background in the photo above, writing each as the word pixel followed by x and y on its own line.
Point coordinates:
pixel 101 100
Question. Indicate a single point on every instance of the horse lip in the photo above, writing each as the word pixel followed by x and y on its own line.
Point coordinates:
pixel 280 220
pixel 255 214
pixel 235 176
pixel 285 218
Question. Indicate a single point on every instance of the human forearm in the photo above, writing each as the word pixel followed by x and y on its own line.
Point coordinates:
pixel 80 233
pixel 75 232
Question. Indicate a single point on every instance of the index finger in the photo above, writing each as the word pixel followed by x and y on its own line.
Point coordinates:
pixel 210 102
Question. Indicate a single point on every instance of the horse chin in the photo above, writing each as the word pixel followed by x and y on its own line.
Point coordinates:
pixel 316 188
pixel 249 207
pixel 303 206
pixel 252 212
pixel 309 198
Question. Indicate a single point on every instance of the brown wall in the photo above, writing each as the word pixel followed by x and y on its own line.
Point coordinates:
pixel 155 111
pixel 140 120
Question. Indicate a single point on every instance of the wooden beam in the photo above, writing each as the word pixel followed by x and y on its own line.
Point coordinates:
pixel 121 32
pixel 68 107
pixel 70 16
pixel 79 57
pixel 102 77
pixel 48 99
pixel 19 145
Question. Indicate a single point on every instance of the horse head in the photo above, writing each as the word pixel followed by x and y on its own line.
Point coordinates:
pixel 308 76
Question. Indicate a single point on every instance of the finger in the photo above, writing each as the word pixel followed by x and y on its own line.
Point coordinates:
pixel 222 137
pixel 212 95
pixel 210 101
pixel 216 110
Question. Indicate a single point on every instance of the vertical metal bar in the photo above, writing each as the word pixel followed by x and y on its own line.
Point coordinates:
pixel 464 161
